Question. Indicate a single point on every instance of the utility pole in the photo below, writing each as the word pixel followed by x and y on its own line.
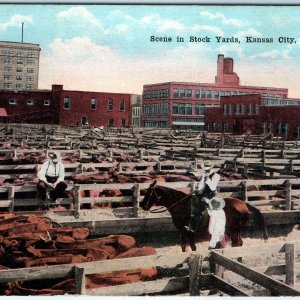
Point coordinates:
pixel 22 31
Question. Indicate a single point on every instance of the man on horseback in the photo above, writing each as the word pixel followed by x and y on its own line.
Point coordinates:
pixel 205 189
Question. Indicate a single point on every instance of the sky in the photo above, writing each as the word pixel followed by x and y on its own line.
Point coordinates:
pixel 108 47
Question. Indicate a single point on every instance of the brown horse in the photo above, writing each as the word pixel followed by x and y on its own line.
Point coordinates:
pixel 179 205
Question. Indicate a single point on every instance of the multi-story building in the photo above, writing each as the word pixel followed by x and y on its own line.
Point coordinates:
pixel 182 105
pixel 19 66
pixel 66 107
pixel 255 114
pixel 136 109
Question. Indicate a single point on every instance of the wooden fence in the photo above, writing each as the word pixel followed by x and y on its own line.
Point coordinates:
pixel 217 270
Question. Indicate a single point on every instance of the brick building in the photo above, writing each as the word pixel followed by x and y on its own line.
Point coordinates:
pixel 182 105
pixel 255 114
pixel 67 107
pixel 19 66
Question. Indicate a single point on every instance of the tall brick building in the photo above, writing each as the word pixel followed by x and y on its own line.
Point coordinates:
pixel 182 105
pixel 19 66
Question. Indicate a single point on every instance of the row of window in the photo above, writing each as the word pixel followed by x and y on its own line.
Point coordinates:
pixel 187 109
pixel 156 124
pixel 29 102
pixel 18 77
pixel 9 85
pixel 161 109
pixel 208 94
pixel 270 102
pixel 18 69
pixel 281 128
pixel 94 102
pixel 217 127
pixel 20 61
pixel 18 53
pixel 163 93
pixel 241 109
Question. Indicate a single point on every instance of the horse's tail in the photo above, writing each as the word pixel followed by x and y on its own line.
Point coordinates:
pixel 259 220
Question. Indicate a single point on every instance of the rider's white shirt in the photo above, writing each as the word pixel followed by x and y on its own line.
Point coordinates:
pixel 212 183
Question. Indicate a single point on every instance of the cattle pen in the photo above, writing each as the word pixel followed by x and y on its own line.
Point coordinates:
pixel 108 172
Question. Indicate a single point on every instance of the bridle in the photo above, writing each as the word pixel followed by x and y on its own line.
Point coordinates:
pixel 160 209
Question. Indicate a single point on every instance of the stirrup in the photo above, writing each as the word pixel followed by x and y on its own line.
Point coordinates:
pixel 188 229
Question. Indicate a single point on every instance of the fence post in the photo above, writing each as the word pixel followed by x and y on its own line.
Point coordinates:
pixel 158 166
pixel 288 194
pixel 140 154
pixel 11 197
pixel 242 153
pixel 136 194
pixel 290 264
pixel 291 165
pixel 245 192
pixel 219 270
pixel 246 171
pixel 194 264
pixel 76 200
pixel 79 281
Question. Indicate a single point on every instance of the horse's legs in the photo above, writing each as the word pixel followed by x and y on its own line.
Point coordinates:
pixel 183 237
pixel 191 239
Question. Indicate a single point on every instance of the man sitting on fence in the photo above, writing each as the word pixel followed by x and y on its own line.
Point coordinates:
pixel 51 178
pixel 206 188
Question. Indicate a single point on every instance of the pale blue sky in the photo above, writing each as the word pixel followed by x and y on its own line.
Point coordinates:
pixel 107 47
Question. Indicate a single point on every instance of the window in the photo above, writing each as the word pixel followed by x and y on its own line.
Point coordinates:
pixel 217 95
pixel 19 77
pixel 197 93
pixel 111 122
pixel 7 69
pixel 200 109
pixel 297 132
pixel 93 104
pixel 176 93
pixel 257 108
pixel 182 93
pixel 19 86
pixel 8 85
pixel 29 78
pixel 85 120
pixel 12 101
pixel 225 127
pixel 19 53
pixel 29 86
pixel 67 103
pixel 209 94
pixel 30 70
pixel 110 104
pixel 19 69
pixel 30 102
pixel 30 61
pixel 203 94
pixel 251 109
pixel 225 109
pixel 122 105
pixel 30 54
pixel 222 93
pixel 8 60
pixel 234 93
pixel 182 109
pixel 244 109
pixel 19 61
pixel 46 102
pixel 229 109
pixel 7 77
pixel 237 109
pixel 8 52
pixel 227 93
pixel 264 128
pixel 189 93
pixel 123 122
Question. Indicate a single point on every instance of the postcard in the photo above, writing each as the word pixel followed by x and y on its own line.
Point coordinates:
pixel 149 149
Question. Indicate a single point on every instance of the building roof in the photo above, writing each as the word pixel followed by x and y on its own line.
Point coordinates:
pixel 3 112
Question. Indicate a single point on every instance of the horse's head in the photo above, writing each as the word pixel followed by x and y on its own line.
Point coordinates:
pixel 150 197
